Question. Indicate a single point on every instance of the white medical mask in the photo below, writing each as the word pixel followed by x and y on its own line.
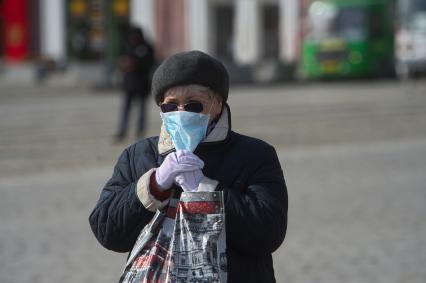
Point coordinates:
pixel 186 129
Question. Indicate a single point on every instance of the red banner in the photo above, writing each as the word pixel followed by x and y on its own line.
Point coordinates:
pixel 15 17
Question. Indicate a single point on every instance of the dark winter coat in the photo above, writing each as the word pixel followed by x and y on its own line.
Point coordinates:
pixel 248 172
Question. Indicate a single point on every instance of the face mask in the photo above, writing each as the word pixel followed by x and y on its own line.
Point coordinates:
pixel 186 129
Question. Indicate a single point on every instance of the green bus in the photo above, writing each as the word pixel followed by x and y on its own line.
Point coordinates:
pixel 348 39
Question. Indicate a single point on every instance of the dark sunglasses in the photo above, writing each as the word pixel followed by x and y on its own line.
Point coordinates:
pixel 196 107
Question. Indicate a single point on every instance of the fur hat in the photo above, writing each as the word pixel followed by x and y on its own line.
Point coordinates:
pixel 191 67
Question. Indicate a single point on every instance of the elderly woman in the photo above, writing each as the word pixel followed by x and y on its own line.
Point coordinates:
pixel 197 150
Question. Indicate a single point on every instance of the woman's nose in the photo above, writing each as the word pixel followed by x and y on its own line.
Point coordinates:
pixel 181 107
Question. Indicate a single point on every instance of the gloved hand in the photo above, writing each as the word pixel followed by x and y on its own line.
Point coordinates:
pixel 175 163
pixel 189 181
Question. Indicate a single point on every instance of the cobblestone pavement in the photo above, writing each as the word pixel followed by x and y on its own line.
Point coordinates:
pixel 356 214
pixel 354 157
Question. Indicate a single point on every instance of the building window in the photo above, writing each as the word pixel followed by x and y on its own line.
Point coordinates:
pixel 223 17
pixel 269 31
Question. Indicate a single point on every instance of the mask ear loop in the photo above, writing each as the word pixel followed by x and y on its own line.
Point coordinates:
pixel 209 114
pixel 215 100
pixel 212 122
pixel 211 106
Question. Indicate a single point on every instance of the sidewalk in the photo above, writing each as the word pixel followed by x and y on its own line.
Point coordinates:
pixel 52 127
pixel 356 214
pixel 353 156
pixel 29 74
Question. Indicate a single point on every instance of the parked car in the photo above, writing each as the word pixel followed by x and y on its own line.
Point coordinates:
pixel 411 47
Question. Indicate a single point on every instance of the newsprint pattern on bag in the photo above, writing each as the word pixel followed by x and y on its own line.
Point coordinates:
pixel 186 243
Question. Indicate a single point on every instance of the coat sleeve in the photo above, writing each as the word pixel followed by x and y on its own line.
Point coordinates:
pixel 119 216
pixel 256 217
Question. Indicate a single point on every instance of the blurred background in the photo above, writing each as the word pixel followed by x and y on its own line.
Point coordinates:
pixel 337 86
pixel 260 41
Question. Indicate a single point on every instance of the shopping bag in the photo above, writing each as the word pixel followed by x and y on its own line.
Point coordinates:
pixel 149 253
pixel 199 239
pixel 184 243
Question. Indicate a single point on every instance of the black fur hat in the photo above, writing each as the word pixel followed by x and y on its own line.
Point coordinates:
pixel 191 67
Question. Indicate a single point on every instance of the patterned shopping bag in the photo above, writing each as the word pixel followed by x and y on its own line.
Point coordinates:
pixel 186 243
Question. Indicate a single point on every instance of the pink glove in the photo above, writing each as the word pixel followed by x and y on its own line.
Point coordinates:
pixel 189 181
pixel 175 163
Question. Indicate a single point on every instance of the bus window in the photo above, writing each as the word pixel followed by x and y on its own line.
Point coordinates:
pixel 321 16
pixel 351 23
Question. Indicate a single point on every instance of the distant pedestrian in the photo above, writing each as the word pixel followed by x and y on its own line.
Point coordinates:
pixel 136 64
pixel 197 151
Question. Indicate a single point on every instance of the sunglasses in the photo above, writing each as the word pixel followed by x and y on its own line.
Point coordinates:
pixel 196 107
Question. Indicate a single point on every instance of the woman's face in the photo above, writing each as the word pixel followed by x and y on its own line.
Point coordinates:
pixel 210 104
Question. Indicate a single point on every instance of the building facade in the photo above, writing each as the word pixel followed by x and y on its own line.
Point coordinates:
pixel 257 39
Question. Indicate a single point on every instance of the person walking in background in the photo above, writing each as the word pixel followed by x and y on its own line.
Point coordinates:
pixel 198 151
pixel 136 65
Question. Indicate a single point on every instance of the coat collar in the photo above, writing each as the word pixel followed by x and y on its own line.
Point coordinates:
pixel 219 133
